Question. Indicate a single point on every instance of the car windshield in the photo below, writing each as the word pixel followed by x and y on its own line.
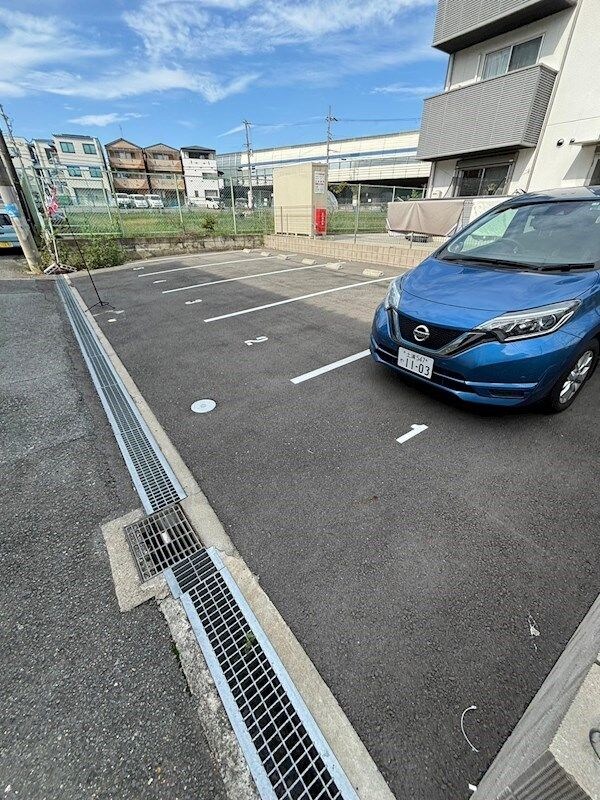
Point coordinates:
pixel 537 235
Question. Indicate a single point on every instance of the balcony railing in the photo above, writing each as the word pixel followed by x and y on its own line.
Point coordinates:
pixel 133 184
pixel 126 163
pixel 166 182
pixel 502 112
pixel 163 165
pixel 462 23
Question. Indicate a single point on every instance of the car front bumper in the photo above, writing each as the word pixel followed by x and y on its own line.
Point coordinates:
pixel 492 373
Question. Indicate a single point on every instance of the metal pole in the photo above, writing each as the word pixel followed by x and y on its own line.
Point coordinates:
pixel 357 213
pixel 393 194
pixel 11 200
pixel 232 205
pixel 178 203
pixel 329 138
pixel 249 153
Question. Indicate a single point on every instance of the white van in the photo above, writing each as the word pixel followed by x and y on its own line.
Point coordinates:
pixel 155 201
pixel 139 200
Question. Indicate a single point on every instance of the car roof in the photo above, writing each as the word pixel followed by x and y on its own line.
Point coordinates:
pixel 554 196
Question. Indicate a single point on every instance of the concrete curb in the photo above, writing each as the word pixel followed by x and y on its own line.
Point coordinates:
pixel 345 743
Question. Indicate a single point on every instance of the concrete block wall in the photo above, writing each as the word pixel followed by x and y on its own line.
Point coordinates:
pixel 548 756
pixel 392 255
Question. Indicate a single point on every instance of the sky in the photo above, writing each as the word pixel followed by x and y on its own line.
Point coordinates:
pixel 188 72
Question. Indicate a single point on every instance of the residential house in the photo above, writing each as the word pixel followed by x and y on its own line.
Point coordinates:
pixel 77 162
pixel 200 174
pixel 520 110
pixel 127 166
pixel 165 173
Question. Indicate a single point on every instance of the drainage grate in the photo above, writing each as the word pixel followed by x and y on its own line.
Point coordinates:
pixel 286 752
pixel 161 540
pixel 154 480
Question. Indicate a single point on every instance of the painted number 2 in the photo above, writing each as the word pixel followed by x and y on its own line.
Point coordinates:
pixel 257 340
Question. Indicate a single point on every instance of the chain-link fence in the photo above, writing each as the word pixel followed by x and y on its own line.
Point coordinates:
pixel 95 202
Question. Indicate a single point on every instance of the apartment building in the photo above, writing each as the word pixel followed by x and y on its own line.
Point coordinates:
pixel 128 167
pixel 77 163
pixel 164 172
pixel 202 183
pixel 520 110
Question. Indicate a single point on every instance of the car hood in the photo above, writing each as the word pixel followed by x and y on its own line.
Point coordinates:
pixel 493 289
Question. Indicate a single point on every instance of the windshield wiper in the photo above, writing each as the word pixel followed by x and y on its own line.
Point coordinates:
pixel 564 267
pixel 485 260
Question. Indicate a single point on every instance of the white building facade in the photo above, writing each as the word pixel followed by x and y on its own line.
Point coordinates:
pixel 202 184
pixel 387 159
pixel 521 106
pixel 73 164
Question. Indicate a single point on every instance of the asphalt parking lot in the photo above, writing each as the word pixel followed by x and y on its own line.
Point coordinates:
pixel 417 576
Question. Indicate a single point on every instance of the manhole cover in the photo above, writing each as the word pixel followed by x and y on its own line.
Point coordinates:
pixel 203 406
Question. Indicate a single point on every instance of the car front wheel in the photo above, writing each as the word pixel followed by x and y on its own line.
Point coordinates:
pixel 580 370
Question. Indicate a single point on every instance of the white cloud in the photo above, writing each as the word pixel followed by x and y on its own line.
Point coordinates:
pixel 102 120
pixel 29 41
pixel 130 83
pixel 406 89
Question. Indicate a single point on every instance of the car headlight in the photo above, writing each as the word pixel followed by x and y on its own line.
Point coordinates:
pixel 392 298
pixel 530 323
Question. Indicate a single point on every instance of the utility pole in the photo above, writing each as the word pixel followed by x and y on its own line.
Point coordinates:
pixel 14 209
pixel 329 119
pixel 249 154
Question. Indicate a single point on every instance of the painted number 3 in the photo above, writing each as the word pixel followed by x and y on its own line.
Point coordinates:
pixel 257 340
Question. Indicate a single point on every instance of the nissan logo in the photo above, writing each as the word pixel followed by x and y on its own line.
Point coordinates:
pixel 421 333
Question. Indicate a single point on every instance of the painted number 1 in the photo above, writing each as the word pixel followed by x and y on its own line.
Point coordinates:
pixel 257 340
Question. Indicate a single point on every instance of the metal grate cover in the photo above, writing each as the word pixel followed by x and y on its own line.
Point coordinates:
pixel 161 540
pixel 154 480
pixel 287 754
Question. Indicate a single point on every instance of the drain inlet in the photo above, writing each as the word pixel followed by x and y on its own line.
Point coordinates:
pixel 161 540
pixel 152 476
pixel 287 754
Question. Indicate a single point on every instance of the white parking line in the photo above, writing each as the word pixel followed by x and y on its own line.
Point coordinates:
pixel 295 299
pixel 342 362
pixel 204 264
pixel 241 278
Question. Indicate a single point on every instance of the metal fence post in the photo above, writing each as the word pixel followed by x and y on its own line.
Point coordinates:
pixel 357 212
pixel 232 205
pixel 393 194
pixel 178 203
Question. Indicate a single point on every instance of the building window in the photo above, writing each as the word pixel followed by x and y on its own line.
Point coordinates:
pixel 95 172
pixel 484 180
pixel 74 172
pixel 90 149
pixel 509 59
pixel 209 176
pixel 124 155
pixel 160 156
pixel 67 147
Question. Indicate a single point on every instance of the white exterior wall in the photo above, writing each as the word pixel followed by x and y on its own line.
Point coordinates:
pixel 194 170
pixel 575 109
pixel 348 158
pixel 100 186
pixel 569 46
pixel 467 65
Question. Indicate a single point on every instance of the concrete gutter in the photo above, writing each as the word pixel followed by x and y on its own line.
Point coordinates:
pixel 345 743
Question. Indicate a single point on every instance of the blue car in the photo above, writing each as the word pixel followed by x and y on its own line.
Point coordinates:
pixel 8 236
pixel 507 312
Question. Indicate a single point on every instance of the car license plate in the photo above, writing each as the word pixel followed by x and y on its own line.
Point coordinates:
pixel 6 244
pixel 415 362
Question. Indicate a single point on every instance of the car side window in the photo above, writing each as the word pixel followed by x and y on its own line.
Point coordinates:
pixel 4 219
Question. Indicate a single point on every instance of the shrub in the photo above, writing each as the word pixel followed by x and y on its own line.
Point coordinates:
pixel 103 252
pixel 209 222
